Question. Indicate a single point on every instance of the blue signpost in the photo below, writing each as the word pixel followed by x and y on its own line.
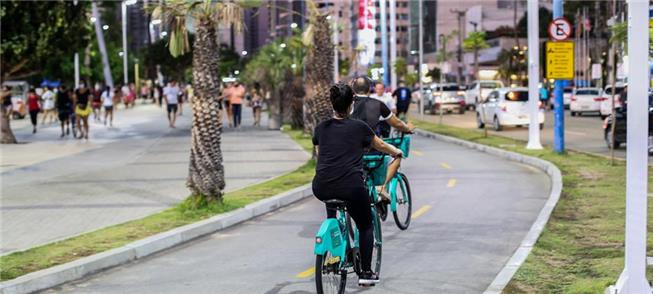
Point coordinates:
pixel 559 110
pixel 384 44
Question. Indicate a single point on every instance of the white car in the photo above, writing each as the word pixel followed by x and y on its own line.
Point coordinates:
pixel 606 99
pixel 566 96
pixel 479 90
pixel 585 100
pixel 506 107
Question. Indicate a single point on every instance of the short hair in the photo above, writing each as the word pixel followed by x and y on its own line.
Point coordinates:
pixel 361 85
pixel 341 97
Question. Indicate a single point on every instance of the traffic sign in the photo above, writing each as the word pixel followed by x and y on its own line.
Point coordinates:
pixel 560 60
pixel 559 29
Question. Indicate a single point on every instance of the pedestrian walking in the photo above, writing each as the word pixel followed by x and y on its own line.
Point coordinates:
pixel 257 105
pixel 64 104
pixel 402 97
pixel 107 103
pixel 171 94
pixel 96 103
pixel 236 101
pixel 33 107
pixel 82 110
pixel 182 97
pixel 226 99
pixel 48 106
pixel 381 95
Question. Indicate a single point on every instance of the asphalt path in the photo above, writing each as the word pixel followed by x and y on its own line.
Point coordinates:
pixel 583 133
pixel 471 211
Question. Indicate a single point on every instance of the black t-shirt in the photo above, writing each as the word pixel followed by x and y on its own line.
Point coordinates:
pixel 403 97
pixel 82 97
pixel 370 110
pixel 63 102
pixel 340 155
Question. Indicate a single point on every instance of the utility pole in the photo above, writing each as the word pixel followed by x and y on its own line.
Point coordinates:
pixel 393 43
pixel 559 111
pixel 384 43
pixel 461 16
pixel 420 42
pixel 533 75
pixel 633 278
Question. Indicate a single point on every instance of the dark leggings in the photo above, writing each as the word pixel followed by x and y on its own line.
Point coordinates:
pixel 236 109
pixel 33 115
pixel 358 206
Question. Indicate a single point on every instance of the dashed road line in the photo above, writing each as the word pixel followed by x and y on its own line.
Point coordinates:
pixel 445 165
pixel 421 211
pixel 307 273
pixel 451 183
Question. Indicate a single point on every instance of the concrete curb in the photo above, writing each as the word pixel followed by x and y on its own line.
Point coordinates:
pixel 80 268
pixel 519 256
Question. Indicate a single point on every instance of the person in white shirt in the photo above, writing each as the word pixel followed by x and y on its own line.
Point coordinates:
pixel 171 94
pixel 381 95
pixel 107 101
pixel 48 106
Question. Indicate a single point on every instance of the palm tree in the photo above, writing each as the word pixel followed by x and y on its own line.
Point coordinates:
pixel 205 172
pixel 319 69
pixel 473 43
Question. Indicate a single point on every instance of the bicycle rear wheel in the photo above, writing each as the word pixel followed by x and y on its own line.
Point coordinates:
pixel 377 250
pixel 404 203
pixel 330 277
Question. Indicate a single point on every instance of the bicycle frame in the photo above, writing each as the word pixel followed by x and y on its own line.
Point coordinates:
pixel 393 191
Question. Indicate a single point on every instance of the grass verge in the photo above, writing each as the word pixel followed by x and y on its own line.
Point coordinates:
pixel 191 210
pixel 581 248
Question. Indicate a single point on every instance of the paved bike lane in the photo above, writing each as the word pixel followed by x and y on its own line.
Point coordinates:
pixel 471 211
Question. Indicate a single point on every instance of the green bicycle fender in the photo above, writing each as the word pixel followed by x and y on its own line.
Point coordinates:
pixel 330 238
pixel 393 193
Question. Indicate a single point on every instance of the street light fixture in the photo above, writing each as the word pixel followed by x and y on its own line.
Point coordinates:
pixel 244 53
pixel 156 21
pixel 293 25
pixel 105 27
pixel 236 72
pixel 120 54
pixel 93 19
pixel 283 45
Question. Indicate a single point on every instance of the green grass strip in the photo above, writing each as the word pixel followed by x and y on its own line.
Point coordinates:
pixel 581 248
pixel 191 210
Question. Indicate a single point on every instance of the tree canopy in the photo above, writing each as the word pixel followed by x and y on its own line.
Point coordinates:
pixel 40 32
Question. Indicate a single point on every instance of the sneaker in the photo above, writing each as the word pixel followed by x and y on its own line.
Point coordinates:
pixel 368 278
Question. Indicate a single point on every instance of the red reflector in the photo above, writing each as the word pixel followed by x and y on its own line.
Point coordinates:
pixel 600 99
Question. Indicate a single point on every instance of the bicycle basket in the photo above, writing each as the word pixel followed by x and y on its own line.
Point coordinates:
pixel 377 167
pixel 401 143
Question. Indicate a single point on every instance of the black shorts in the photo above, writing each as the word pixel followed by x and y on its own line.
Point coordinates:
pixel 402 108
pixel 108 108
pixel 172 108
pixel 357 198
pixel 64 115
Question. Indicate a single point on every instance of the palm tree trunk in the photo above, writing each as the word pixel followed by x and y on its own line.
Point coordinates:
pixel 5 127
pixel 319 73
pixel 103 49
pixel 476 64
pixel 206 172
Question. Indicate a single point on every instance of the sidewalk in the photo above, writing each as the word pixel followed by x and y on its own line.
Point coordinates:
pixel 55 188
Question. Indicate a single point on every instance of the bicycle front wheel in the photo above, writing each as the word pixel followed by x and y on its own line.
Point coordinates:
pixel 330 277
pixel 404 203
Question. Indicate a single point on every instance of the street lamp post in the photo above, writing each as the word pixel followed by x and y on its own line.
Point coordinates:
pixel 633 278
pixel 533 75
pixel 420 42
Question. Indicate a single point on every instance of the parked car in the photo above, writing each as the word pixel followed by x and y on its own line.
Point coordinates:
pixel 566 96
pixel 506 107
pixel 18 97
pixel 620 127
pixel 585 100
pixel 446 97
pixel 479 90
pixel 606 102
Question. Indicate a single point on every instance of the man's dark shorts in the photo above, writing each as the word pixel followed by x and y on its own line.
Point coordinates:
pixel 172 108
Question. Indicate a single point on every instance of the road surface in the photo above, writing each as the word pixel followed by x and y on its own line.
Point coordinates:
pixel 471 211
pixel 55 188
pixel 583 133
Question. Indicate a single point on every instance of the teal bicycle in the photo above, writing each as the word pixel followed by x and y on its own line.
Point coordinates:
pixel 401 203
pixel 336 249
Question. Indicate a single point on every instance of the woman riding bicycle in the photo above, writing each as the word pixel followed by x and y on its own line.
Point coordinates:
pixel 340 143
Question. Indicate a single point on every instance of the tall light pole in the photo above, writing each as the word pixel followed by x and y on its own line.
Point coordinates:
pixel 559 111
pixel 420 42
pixel 393 43
pixel 633 278
pixel 125 63
pixel 384 43
pixel 533 75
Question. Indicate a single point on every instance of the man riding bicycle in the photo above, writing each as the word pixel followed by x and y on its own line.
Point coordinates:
pixel 340 143
pixel 373 111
